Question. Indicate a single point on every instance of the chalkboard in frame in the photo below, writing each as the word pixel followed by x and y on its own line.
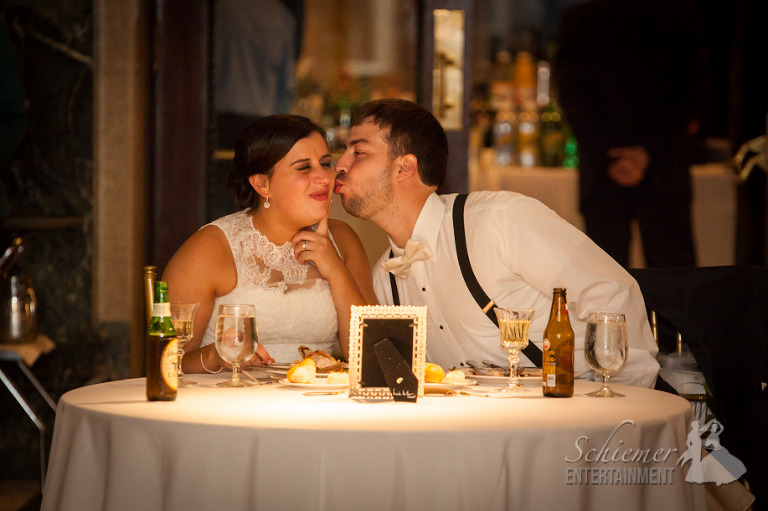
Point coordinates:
pixel 404 325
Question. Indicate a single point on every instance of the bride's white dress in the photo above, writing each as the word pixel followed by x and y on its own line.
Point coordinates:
pixel 293 302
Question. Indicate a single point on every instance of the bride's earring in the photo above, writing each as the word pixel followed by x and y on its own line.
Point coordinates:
pixel 266 203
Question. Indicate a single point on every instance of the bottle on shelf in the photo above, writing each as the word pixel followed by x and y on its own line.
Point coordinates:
pixel 557 360
pixel 524 76
pixel 505 137
pixel 344 107
pixel 571 148
pixel 552 136
pixel 543 79
pixel 528 134
pixel 161 355
pixel 501 89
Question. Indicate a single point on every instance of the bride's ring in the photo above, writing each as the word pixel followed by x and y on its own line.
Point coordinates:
pixel 305 245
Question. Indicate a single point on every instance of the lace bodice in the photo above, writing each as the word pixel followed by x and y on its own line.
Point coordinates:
pixel 293 302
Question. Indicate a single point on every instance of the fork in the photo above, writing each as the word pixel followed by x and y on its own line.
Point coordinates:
pixel 478 369
pixel 252 377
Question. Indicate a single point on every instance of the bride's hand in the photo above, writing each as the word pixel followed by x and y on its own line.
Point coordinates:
pixel 259 358
pixel 316 247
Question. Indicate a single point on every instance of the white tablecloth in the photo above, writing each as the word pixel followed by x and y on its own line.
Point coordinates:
pixel 271 447
pixel 714 202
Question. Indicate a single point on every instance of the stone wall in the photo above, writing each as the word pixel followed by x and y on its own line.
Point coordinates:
pixel 50 177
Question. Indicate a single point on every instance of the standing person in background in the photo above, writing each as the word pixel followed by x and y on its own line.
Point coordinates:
pixel 630 81
pixel 256 48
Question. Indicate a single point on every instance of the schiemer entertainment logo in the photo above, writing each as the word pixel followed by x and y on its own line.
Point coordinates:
pixel 613 463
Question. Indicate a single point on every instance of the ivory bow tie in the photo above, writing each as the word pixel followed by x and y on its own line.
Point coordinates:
pixel 401 266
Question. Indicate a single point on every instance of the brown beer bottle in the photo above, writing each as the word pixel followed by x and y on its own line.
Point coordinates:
pixel 162 349
pixel 557 364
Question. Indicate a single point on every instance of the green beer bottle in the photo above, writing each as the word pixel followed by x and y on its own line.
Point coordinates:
pixel 161 349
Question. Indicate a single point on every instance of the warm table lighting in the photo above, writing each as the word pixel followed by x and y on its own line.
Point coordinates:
pixel 114 450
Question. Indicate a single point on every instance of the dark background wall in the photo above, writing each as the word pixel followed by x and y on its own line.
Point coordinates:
pixel 49 186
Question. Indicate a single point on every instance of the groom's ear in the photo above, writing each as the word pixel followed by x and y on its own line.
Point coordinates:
pixel 408 167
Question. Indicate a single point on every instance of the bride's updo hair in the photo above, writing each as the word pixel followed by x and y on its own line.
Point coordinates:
pixel 260 146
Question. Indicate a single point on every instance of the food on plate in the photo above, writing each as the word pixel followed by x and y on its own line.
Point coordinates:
pixel 454 377
pixel 307 362
pixel 433 373
pixel 301 373
pixel 338 378
pixel 324 363
pixel 531 372
pixel 487 371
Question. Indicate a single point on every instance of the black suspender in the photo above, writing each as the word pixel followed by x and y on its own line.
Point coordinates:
pixel 483 301
pixel 393 283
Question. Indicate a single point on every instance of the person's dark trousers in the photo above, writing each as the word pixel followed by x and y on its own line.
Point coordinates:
pixel 665 227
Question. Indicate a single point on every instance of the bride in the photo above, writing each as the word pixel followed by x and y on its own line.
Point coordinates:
pixel 280 253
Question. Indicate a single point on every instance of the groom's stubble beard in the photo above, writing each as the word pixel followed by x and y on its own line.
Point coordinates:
pixel 371 201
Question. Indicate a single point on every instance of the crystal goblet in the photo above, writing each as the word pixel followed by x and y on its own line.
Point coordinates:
pixel 183 319
pixel 236 339
pixel 513 336
pixel 605 347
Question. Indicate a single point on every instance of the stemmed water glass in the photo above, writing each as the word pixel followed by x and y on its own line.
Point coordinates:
pixel 513 331
pixel 183 319
pixel 605 347
pixel 236 339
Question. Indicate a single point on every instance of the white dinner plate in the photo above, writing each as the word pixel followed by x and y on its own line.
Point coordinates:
pixel 449 386
pixel 282 373
pixel 504 380
pixel 280 366
pixel 316 385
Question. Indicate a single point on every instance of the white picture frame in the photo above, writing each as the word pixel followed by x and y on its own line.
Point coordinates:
pixel 404 325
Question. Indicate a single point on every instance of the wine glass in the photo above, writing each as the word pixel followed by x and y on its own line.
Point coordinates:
pixel 236 338
pixel 605 347
pixel 183 318
pixel 513 331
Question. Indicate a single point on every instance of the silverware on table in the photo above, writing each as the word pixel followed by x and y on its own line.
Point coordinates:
pixel 260 381
pixel 477 368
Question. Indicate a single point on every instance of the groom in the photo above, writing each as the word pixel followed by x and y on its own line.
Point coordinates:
pixel 512 250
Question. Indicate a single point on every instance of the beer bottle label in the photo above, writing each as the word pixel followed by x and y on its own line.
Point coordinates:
pixel 169 363
pixel 160 310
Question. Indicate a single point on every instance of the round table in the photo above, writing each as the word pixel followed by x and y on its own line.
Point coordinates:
pixel 275 447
